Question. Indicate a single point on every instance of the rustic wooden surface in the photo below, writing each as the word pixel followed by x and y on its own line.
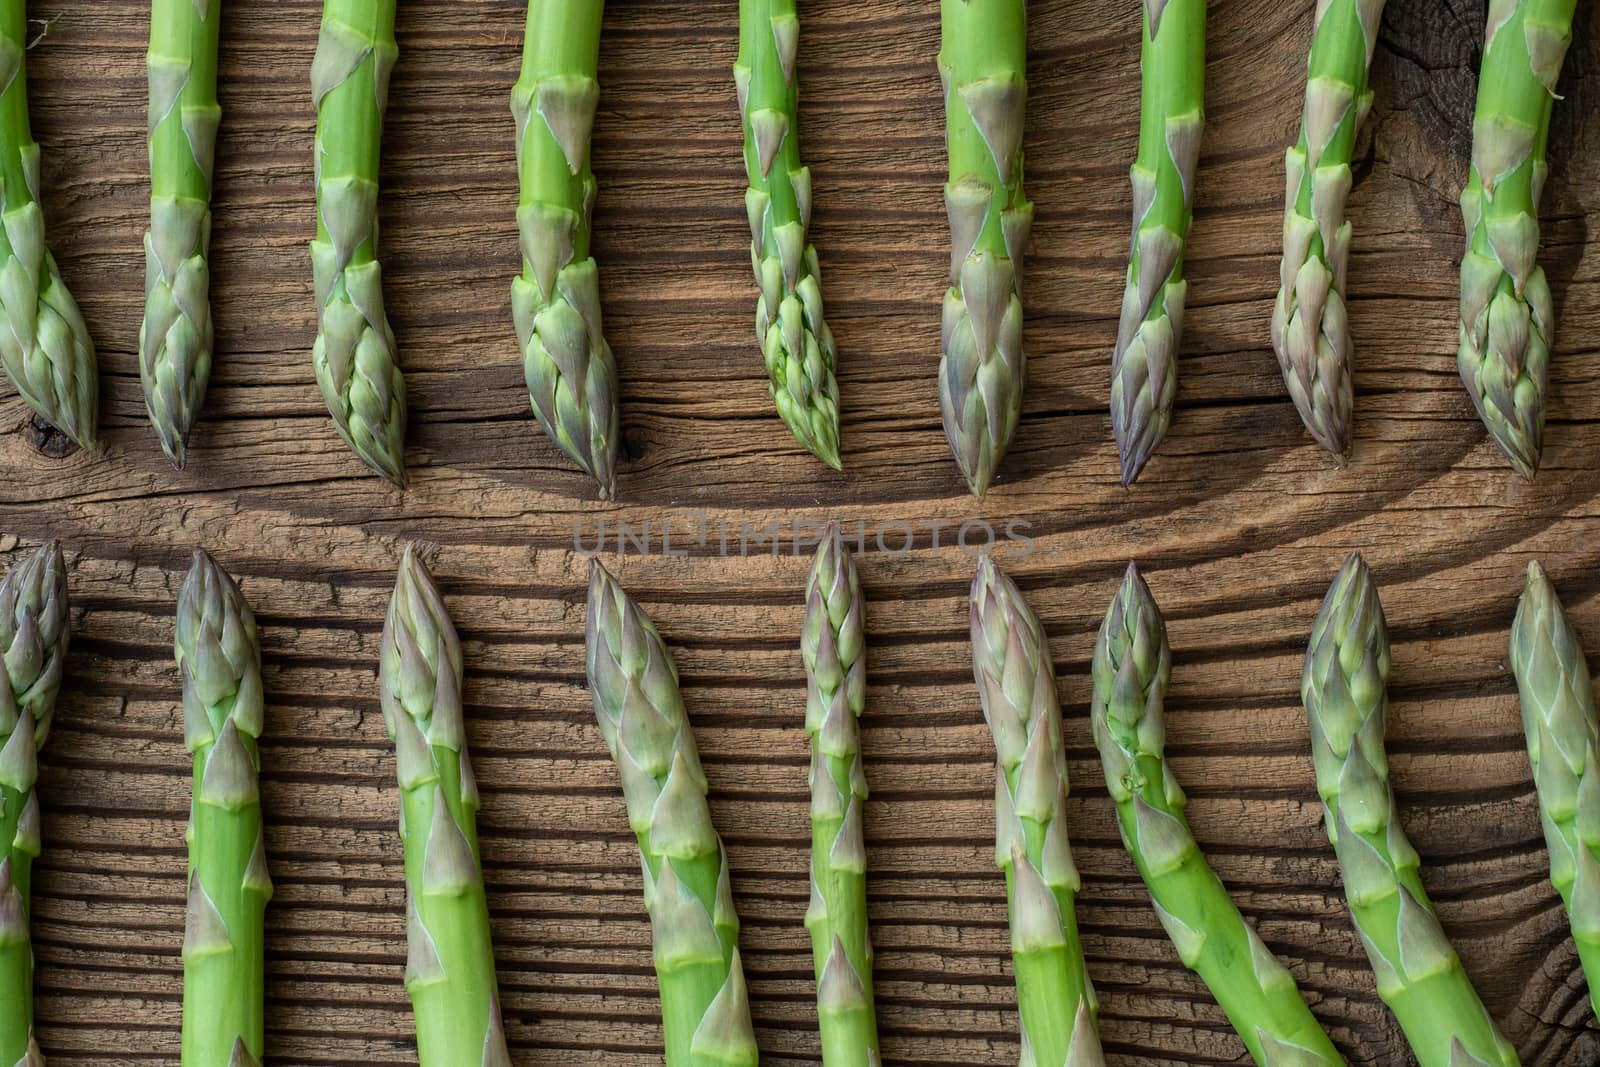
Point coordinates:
pixel 1240 522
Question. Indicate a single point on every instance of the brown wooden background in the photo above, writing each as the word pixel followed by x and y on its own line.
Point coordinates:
pixel 1240 522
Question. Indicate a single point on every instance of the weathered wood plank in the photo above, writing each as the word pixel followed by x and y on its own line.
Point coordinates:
pixel 1239 523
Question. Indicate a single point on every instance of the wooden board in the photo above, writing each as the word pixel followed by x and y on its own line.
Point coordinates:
pixel 1239 522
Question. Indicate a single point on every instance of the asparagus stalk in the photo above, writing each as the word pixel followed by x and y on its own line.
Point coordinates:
pixel 571 373
pixel 354 356
pixel 795 341
pixel 834 650
pixel 1507 320
pixel 704 1006
pixel 1144 370
pixel 450 961
pixel 33 637
pixel 1418 973
pixel 1310 324
pixel 1132 665
pixel 45 346
pixel 983 63
pixel 223 976
pixel 1558 717
pixel 175 338
pixel 1017 685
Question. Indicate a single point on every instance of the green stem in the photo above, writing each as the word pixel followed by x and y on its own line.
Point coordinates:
pixel 450 1013
pixel 182 38
pixel 1257 994
pixel 350 113
pixel 978 39
pixel 16 136
pixel 562 40
pixel 224 986
pixel 16 949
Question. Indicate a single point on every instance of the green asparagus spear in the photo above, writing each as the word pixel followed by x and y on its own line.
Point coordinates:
pixel 795 341
pixel 450 961
pixel 1310 326
pixel 175 338
pixel 1507 320
pixel 983 62
pixel 571 373
pixel 44 345
pixel 834 649
pixel 1418 973
pixel 704 1006
pixel 1017 685
pixel 1132 665
pixel 1558 717
pixel 1144 370
pixel 223 977
pixel 33 650
pixel 354 356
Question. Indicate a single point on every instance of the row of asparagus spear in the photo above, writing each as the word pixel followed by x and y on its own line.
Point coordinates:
pixel 1344 691
pixel 450 970
pixel 1506 321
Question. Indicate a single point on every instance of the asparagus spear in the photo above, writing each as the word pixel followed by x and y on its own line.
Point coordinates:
pixel 571 373
pixel 33 637
pixel 1144 370
pixel 1558 717
pixel 44 345
pixel 1310 326
pixel 1017 684
pixel 354 355
pixel 704 1007
pixel 795 341
pixel 1419 975
pixel 1507 320
pixel 834 650
pixel 175 338
pixel 982 62
pixel 450 961
pixel 223 979
pixel 1132 665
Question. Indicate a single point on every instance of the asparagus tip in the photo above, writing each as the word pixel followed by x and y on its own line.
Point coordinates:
pixel 1132 466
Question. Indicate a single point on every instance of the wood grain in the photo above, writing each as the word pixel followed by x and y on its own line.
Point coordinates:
pixel 1239 523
